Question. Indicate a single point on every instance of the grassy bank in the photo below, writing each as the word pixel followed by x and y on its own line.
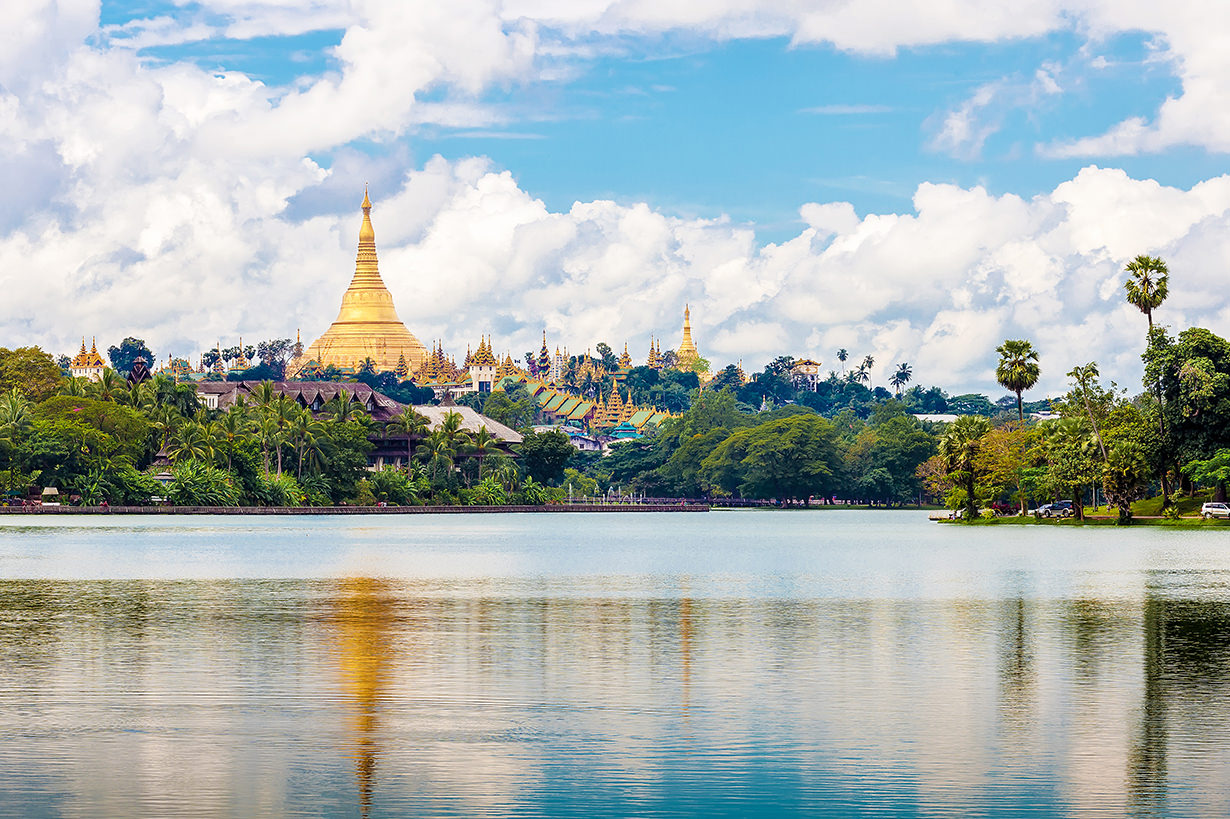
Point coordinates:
pixel 1181 523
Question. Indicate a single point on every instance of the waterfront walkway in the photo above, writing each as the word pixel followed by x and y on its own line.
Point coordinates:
pixel 349 510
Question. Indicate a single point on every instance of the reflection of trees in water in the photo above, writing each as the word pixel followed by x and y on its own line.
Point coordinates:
pixel 363 614
pixel 1186 657
pixel 1017 676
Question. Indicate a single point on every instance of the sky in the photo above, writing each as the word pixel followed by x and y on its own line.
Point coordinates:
pixel 915 181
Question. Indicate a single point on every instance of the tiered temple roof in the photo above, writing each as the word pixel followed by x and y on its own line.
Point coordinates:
pixel 89 359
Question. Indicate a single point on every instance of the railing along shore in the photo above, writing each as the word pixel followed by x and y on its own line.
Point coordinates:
pixel 352 510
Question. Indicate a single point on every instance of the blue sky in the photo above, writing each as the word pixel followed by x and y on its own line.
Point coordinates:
pixel 913 181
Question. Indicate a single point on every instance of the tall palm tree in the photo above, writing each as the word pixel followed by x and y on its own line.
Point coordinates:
pixel 869 362
pixel 305 434
pixel 1084 376
pixel 438 452
pixel 1018 369
pixel 1146 285
pixel 959 447
pixel 860 375
pixel 412 425
pixel 901 377
pixel 1146 288
pixel 842 355
pixel 484 444
pixel 232 426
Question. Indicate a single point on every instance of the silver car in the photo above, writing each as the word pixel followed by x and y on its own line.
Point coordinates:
pixel 1214 510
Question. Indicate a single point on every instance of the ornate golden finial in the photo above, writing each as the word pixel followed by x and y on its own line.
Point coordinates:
pixel 367 203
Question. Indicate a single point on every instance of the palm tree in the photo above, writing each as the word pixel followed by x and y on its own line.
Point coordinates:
pixel 1146 284
pixel 842 355
pixel 109 385
pixel 344 407
pixel 14 419
pixel 959 446
pixel 868 363
pixel 191 442
pixel 483 445
pixel 1084 376
pixel 305 433
pixel 230 428
pixel 410 424
pixel 76 386
pixel 437 450
pixel 860 375
pixel 1018 369
pixel 1146 288
pixel 901 377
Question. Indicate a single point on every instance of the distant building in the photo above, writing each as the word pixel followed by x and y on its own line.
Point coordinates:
pixel 806 374
pixel 88 365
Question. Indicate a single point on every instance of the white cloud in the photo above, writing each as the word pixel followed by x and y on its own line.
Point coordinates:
pixel 162 200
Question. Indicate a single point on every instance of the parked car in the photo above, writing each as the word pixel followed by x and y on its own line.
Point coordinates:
pixel 1058 509
pixel 1003 508
pixel 1214 510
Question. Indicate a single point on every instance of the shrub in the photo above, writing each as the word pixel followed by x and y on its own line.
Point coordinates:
pixel 271 489
pixel 196 483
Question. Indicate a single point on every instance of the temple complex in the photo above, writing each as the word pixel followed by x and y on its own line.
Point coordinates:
pixel 367 326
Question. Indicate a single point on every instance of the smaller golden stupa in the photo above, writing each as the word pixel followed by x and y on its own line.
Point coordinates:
pixel 367 326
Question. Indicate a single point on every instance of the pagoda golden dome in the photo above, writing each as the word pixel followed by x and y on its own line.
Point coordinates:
pixel 367 326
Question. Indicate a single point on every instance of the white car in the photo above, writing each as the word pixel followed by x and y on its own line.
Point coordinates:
pixel 1214 510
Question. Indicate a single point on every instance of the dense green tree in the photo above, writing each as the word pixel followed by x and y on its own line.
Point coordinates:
pixel 787 459
pixel 513 407
pixel 125 355
pixel 960 446
pixel 544 455
pixel 31 371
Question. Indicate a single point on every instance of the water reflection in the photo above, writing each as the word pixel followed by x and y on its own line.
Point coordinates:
pixel 363 618
pixel 378 697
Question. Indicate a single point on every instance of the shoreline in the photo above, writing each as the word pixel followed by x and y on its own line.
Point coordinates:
pixel 1098 520
pixel 343 510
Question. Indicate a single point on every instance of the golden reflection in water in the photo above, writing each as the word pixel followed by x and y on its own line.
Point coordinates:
pixel 363 616
pixel 685 651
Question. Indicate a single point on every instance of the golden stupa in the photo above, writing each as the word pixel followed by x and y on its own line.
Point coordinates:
pixel 687 357
pixel 367 326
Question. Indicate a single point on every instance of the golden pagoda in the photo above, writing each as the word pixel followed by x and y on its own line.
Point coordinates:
pixel 687 357
pixel 625 360
pixel 367 326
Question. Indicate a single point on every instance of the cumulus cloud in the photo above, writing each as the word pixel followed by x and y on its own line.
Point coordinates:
pixel 183 205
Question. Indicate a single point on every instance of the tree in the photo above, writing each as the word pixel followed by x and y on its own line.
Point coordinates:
pixel 1006 459
pixel 545 454
pixel 842 355
pixel 274 354
pixel 1084 377
pixel 481 447
pixel 789 458
pixel 130 349
pixel 412 425
pixel 31 371
pixel 514 407
pixel 901 377
pixel 868 362
pixel 1146 285
pixel 1017 370
pixel 959 446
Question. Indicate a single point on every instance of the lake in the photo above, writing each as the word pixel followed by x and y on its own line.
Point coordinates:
pixel 749 663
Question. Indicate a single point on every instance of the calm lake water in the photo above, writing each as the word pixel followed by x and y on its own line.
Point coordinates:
pixel 829 663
